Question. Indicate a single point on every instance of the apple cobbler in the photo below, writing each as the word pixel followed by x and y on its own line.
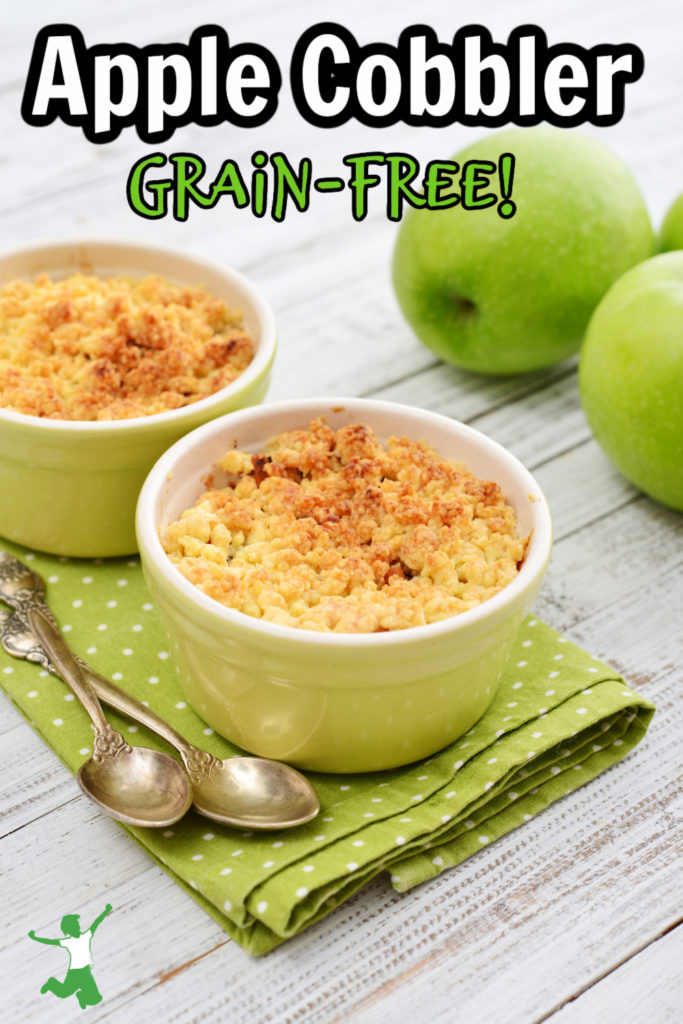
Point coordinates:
pixel 332 531
pixel 88 348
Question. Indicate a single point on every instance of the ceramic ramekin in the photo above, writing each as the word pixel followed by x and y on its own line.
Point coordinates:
pixel 70 488
pixel 327 701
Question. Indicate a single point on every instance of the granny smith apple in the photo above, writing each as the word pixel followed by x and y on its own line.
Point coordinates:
pixel 498 295
pixel 631 376
pixel 671 233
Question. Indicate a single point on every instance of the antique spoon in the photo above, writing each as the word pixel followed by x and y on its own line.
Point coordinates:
pixel 246 792
pixel 135 785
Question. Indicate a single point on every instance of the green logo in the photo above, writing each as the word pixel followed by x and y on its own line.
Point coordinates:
pixel 79 979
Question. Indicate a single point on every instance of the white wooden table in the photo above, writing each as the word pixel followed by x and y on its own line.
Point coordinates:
pixel 576 916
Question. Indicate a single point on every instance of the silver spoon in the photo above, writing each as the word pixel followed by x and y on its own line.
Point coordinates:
pixel 246 792
pixel 135 785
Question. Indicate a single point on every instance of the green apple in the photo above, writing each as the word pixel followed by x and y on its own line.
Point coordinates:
pixel 631 376
pixel 499 295
pixel 671 233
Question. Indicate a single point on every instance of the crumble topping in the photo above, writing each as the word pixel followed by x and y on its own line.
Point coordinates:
pixel 334 532
pixel 88 348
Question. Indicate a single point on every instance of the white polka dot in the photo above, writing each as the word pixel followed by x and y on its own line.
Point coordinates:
pixel 147 607
pixel 512 795
pixel 581 711
pixel 400 840
pixel 67 627
pixel 587 691
pixel 168 833
pixel 8 670
pixel 438 861
pixel 375 800
pixel 549 693
pixel 489 785
pixel 77 604
pixel 352 866
pixel 369 814
pixel 512 704
pixel 278 844
pixel 558 657
pixel 84 750
pixel 237 853
pixel 517 686
pixel 421 778
pixel 492 760
pixel 163 655
pixel 532 753
pixel 553 675
pixel 117 675
pixel 358 842
pixel 111 604
pixel 136 628
pixel 198 856
pixel 618 743
pixel 328 819
pixel 532 622
pixel 87 579
pixel 483 839
pixel 308 867
pixel 227 905
pixel 450 794
pixel 319 839
pixel 102 626
pixel 521 664
pixel 592 669
pixel 626 693
pixel 458 765
pixel 181 704
pixel 555 770
pixel 418 796
pixel 208 835
pixel 91 650
pixel 58 721
pixel 344 788
pixel 268 863
pixel 132 728
pixel 499 733
pixel 469 824
pixel 303 891
pixel 207 731
pixel 226 871
pixel 527 643
pixel 535 735
pixel 53 579
pixel 527 817
pixel 122 583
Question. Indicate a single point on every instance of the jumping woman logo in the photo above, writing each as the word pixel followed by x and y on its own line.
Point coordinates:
pixel 79 979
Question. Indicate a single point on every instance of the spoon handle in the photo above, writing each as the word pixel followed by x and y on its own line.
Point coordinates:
pixel 67 666
pixel 135 709
pixel 19 641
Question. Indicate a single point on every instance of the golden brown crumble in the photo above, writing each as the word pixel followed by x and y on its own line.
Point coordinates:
pixel 88 348
pixel 331 531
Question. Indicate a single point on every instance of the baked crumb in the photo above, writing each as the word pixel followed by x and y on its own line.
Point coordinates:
pixel 89 348
pixel 333 532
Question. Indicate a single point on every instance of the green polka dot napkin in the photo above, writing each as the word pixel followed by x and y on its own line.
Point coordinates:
pixel 560 718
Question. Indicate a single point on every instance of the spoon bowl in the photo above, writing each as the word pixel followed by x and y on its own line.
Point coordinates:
pixel 137 786
pixel 256 793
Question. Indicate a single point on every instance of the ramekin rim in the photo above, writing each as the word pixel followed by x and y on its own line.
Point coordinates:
pixel 149 543
pixel 257 368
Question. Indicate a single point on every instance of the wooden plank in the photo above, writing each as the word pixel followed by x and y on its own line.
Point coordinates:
pixel 647 987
